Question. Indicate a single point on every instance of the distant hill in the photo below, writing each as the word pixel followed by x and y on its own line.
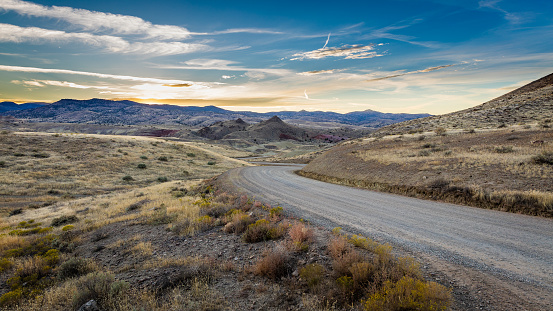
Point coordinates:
pixel 220 129
pixel 273 129
pixel 11 106
pixel 531 103
pixel 102 111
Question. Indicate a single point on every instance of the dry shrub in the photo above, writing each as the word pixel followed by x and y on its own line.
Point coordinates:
pixel 409 294
pixel 338 247
pixel 100 286
pixel 143 248
pixel 76 267
pixel 344 256
pixel 300 233
pixel 274 263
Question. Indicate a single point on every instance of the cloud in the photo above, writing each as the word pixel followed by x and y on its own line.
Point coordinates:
pixel 179 85
pixel 112 44
pixel 226 65
pixel 98 21
pixel 43 83
pixel 346 51
pixel 243 30
pixel 97 75
pixel 512 18
pixel 318 72
pixel 227 77
pixel 327 39
pixel 411 72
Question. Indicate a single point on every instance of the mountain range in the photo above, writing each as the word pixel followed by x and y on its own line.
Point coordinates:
pixel 102 111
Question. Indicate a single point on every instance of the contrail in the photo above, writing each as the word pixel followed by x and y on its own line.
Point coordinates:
pixel 327 40
pixel 305 92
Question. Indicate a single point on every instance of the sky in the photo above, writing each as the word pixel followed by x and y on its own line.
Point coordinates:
pixel 400 56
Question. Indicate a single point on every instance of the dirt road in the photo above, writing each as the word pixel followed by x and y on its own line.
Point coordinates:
pixel 492 260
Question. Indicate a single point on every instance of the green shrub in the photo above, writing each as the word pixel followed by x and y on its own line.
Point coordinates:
pixel 163 159
pixel 2 163
pixel 211 163
pixel 276 211
pixel 144 157
pixel 162 179
pixel 312 274
pixel 141 166
pixel 100 286
pixel 75 267
pixel 64 220
pixel 40 155
pixel 67 228
pixel 5 264
pixel 190 154
pixel 128 178
pixel 263 230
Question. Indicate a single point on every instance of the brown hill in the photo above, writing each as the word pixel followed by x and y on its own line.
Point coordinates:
pixel 220 129
pixel 532 103
pixel 273 129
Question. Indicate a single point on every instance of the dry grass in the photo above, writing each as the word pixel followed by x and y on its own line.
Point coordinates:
pixel 274 263
pixel 489 169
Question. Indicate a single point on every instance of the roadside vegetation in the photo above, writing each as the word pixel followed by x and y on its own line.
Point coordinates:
pixel 180 244
pixel 507 169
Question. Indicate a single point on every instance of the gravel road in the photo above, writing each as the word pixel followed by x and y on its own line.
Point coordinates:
pixel 501 261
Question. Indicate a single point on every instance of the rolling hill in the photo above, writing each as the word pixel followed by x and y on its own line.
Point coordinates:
pixel 102 111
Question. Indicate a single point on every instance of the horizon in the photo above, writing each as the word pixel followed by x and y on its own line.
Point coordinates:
pixel 432 56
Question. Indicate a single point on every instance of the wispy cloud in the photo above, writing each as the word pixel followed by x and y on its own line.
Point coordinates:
pixel 97 75
pixel 346 51
pixel 43 83
pixel 318 72
pixel 112 44
pixel 98 21
pixel 387 33
pixel 225 65
pixel 410 72
pixel 513 18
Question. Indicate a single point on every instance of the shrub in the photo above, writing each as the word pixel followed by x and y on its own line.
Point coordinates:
pixel 76 267
pixel 211 163
pixel 2 163
pixel 543 158
pixel 263 230
pixel 100 287
pixel 275 212
pixel 64 220
pixel 5 264
pixel 67 228
pixel 128 178
pixel 239 222
pixel 144 157
pixel 300 235
pixel 40 155
pixel 312 274
pixel 141 166
pixel 162 179
pixel 440 131
pixel 273 264
pixel 409 294
pixel 204 223
pixel 504 149
pixel 163 159
pixel 190 154
pixel 16 211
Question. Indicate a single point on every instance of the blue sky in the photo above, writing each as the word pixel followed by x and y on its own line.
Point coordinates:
pixel 433 56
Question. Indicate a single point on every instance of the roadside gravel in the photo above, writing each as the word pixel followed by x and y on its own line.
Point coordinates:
pixel 492 260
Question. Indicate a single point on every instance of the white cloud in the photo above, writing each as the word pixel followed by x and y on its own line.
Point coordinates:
pixel 318 72
pixel 97 75
pixel 12 33
pixel 513 18
pixel 43 83
pixel 98 21
pixel 227 77
pixel 346 51
pixel 226 65
pixel 410 72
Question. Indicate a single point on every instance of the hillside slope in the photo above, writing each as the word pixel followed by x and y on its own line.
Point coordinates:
pixel 532 103
pixel 500 165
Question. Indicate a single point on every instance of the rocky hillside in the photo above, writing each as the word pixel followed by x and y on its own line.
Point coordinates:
pixel 273 129
pixel 218 130
pixel 532 103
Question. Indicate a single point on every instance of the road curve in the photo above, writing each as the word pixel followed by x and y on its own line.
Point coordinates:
pixel 510 247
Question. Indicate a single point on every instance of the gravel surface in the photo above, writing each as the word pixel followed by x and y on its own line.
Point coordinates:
pixel 492 260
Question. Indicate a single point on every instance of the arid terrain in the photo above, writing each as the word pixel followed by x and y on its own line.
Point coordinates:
pixel 123 223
